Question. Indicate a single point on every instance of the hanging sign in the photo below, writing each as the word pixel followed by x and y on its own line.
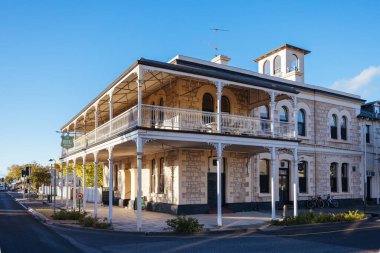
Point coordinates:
pixel 67 141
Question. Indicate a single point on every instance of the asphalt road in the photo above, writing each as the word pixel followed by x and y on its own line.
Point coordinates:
pixel 18 231
pixel 21 232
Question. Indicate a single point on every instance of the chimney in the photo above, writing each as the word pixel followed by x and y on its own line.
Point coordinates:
pixel 221 59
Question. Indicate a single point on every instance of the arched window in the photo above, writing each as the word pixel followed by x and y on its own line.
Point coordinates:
pixel 225 104
pixel 334 177
pixel 302 177
pixel 334 126
pixel 293 63
pixel 301 123
pixel 161 112
pixel 343 128
pixel 284 117
pixel 266 68
pixel 264 176
pixel 264 112
pixel 277 65
pixel 207 103
pixel 344 175
pixel 161 173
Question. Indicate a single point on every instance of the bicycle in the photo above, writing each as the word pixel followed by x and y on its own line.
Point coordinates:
pixel 330 201
pixel 315 201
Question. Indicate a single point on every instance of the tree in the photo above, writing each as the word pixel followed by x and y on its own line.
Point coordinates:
pixel 14 173
pixel 40 176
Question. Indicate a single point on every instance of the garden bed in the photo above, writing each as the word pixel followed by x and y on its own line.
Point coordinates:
pixel 311 218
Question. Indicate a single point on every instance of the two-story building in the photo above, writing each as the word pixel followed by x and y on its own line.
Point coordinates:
pixel 195 136
pixel 370 121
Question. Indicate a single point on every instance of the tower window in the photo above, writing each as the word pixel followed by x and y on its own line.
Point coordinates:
pixel 266 68
pixel 277 65
pixel 293 63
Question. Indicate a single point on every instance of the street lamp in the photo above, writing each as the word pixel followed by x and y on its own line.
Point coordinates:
pixel 55 188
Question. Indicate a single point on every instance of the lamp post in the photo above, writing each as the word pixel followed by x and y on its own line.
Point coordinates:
pixel 55 188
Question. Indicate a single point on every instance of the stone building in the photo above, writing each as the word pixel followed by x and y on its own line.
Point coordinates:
pixel 195 136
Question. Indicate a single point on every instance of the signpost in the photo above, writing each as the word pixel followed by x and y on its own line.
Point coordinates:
pixel 79 197
pixel 67 141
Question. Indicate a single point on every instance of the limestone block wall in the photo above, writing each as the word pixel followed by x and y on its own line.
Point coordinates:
pixel 238 180
pixel 193 177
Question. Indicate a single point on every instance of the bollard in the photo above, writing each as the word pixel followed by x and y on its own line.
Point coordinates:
pixel 283 211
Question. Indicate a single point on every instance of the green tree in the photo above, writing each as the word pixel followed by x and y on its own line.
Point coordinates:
pixel 40 176
pixel 90 169
pixel 14 173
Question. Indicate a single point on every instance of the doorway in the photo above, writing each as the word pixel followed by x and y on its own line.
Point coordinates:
pixel 283 182
pixel 212 184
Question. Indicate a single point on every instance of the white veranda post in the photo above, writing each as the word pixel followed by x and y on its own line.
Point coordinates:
pixel 110 184
pixel 75 185
pixel 139 182
pixel 84 184
pixel 219 183
pixel 219 106
pixel 295 182
pixel 272 178
pixel 95 185
pixel 272 107
pixel 67 184
pixel 139 96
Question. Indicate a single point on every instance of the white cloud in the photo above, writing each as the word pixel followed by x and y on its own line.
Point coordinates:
pixel 366 84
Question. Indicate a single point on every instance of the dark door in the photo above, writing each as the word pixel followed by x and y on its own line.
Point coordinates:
pixel 368 188
pixel 212 190
pixel 283 183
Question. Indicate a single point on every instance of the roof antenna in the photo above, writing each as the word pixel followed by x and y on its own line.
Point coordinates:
pixel 216 31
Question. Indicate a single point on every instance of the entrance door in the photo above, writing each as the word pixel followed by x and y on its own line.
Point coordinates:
pixel 368 188
pixel 212 189
pixel 283 183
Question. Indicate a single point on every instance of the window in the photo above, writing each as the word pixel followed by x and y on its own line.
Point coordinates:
pixel 161 113
pixel 293 63
pixel 301 123
pixel 266 68
pixel 207 106
pixel 264 176
pixel 344 177
pixel 284 114
pixel 333 177
pixel 207 103
pixel 343 128
pixel 277 65
pixel 367 133
pixel 153 177
pixel 162 177
pixel 264 112
pixel 302 177
pixel 334 127
pixel 225 104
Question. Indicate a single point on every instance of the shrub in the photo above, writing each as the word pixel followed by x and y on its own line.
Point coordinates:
pixel 89 221
pixel 68 215
pixel 183 224
pixel 310 218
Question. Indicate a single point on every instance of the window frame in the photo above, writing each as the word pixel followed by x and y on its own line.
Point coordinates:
pixel 334 128
pixel 265 66
pixel 343 128
pixel 153 176
pixel 264 179
pixel 368 133
pixel 286 114
pixel 302 181
pixel 345 180
pixel 161 183
pixel 301 125
pixel 277 61
pixel 334 179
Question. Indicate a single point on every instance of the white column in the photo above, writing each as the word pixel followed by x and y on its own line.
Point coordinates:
pixel 272 107
pixel 84 184
pixel 139 97
pixel 62 184
pixel 96 122
pixel 295 117
pixel 295 182
pixel 219 183
pixel 219 105
pixel 273 176
pixel 111 113
pixel 110 184
pixel 75 185
pixel 96 184
pixel 67 185
pixel 139 190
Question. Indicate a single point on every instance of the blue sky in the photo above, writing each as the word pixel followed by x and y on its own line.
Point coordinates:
pixel 56 56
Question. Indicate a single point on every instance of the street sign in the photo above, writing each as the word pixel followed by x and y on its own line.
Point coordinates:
pixel 67 141
pixel 79 196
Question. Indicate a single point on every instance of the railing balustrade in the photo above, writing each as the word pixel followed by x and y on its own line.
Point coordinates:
pixel 171 118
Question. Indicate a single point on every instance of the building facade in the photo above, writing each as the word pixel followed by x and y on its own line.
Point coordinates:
pixel 194 136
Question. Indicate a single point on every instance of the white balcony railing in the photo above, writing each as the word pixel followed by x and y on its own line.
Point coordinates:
pixel 171 118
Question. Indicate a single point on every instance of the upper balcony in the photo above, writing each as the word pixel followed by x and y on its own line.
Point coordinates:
pixel 167 97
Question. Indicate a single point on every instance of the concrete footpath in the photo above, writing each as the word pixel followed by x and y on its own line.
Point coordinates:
pixel 125 219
